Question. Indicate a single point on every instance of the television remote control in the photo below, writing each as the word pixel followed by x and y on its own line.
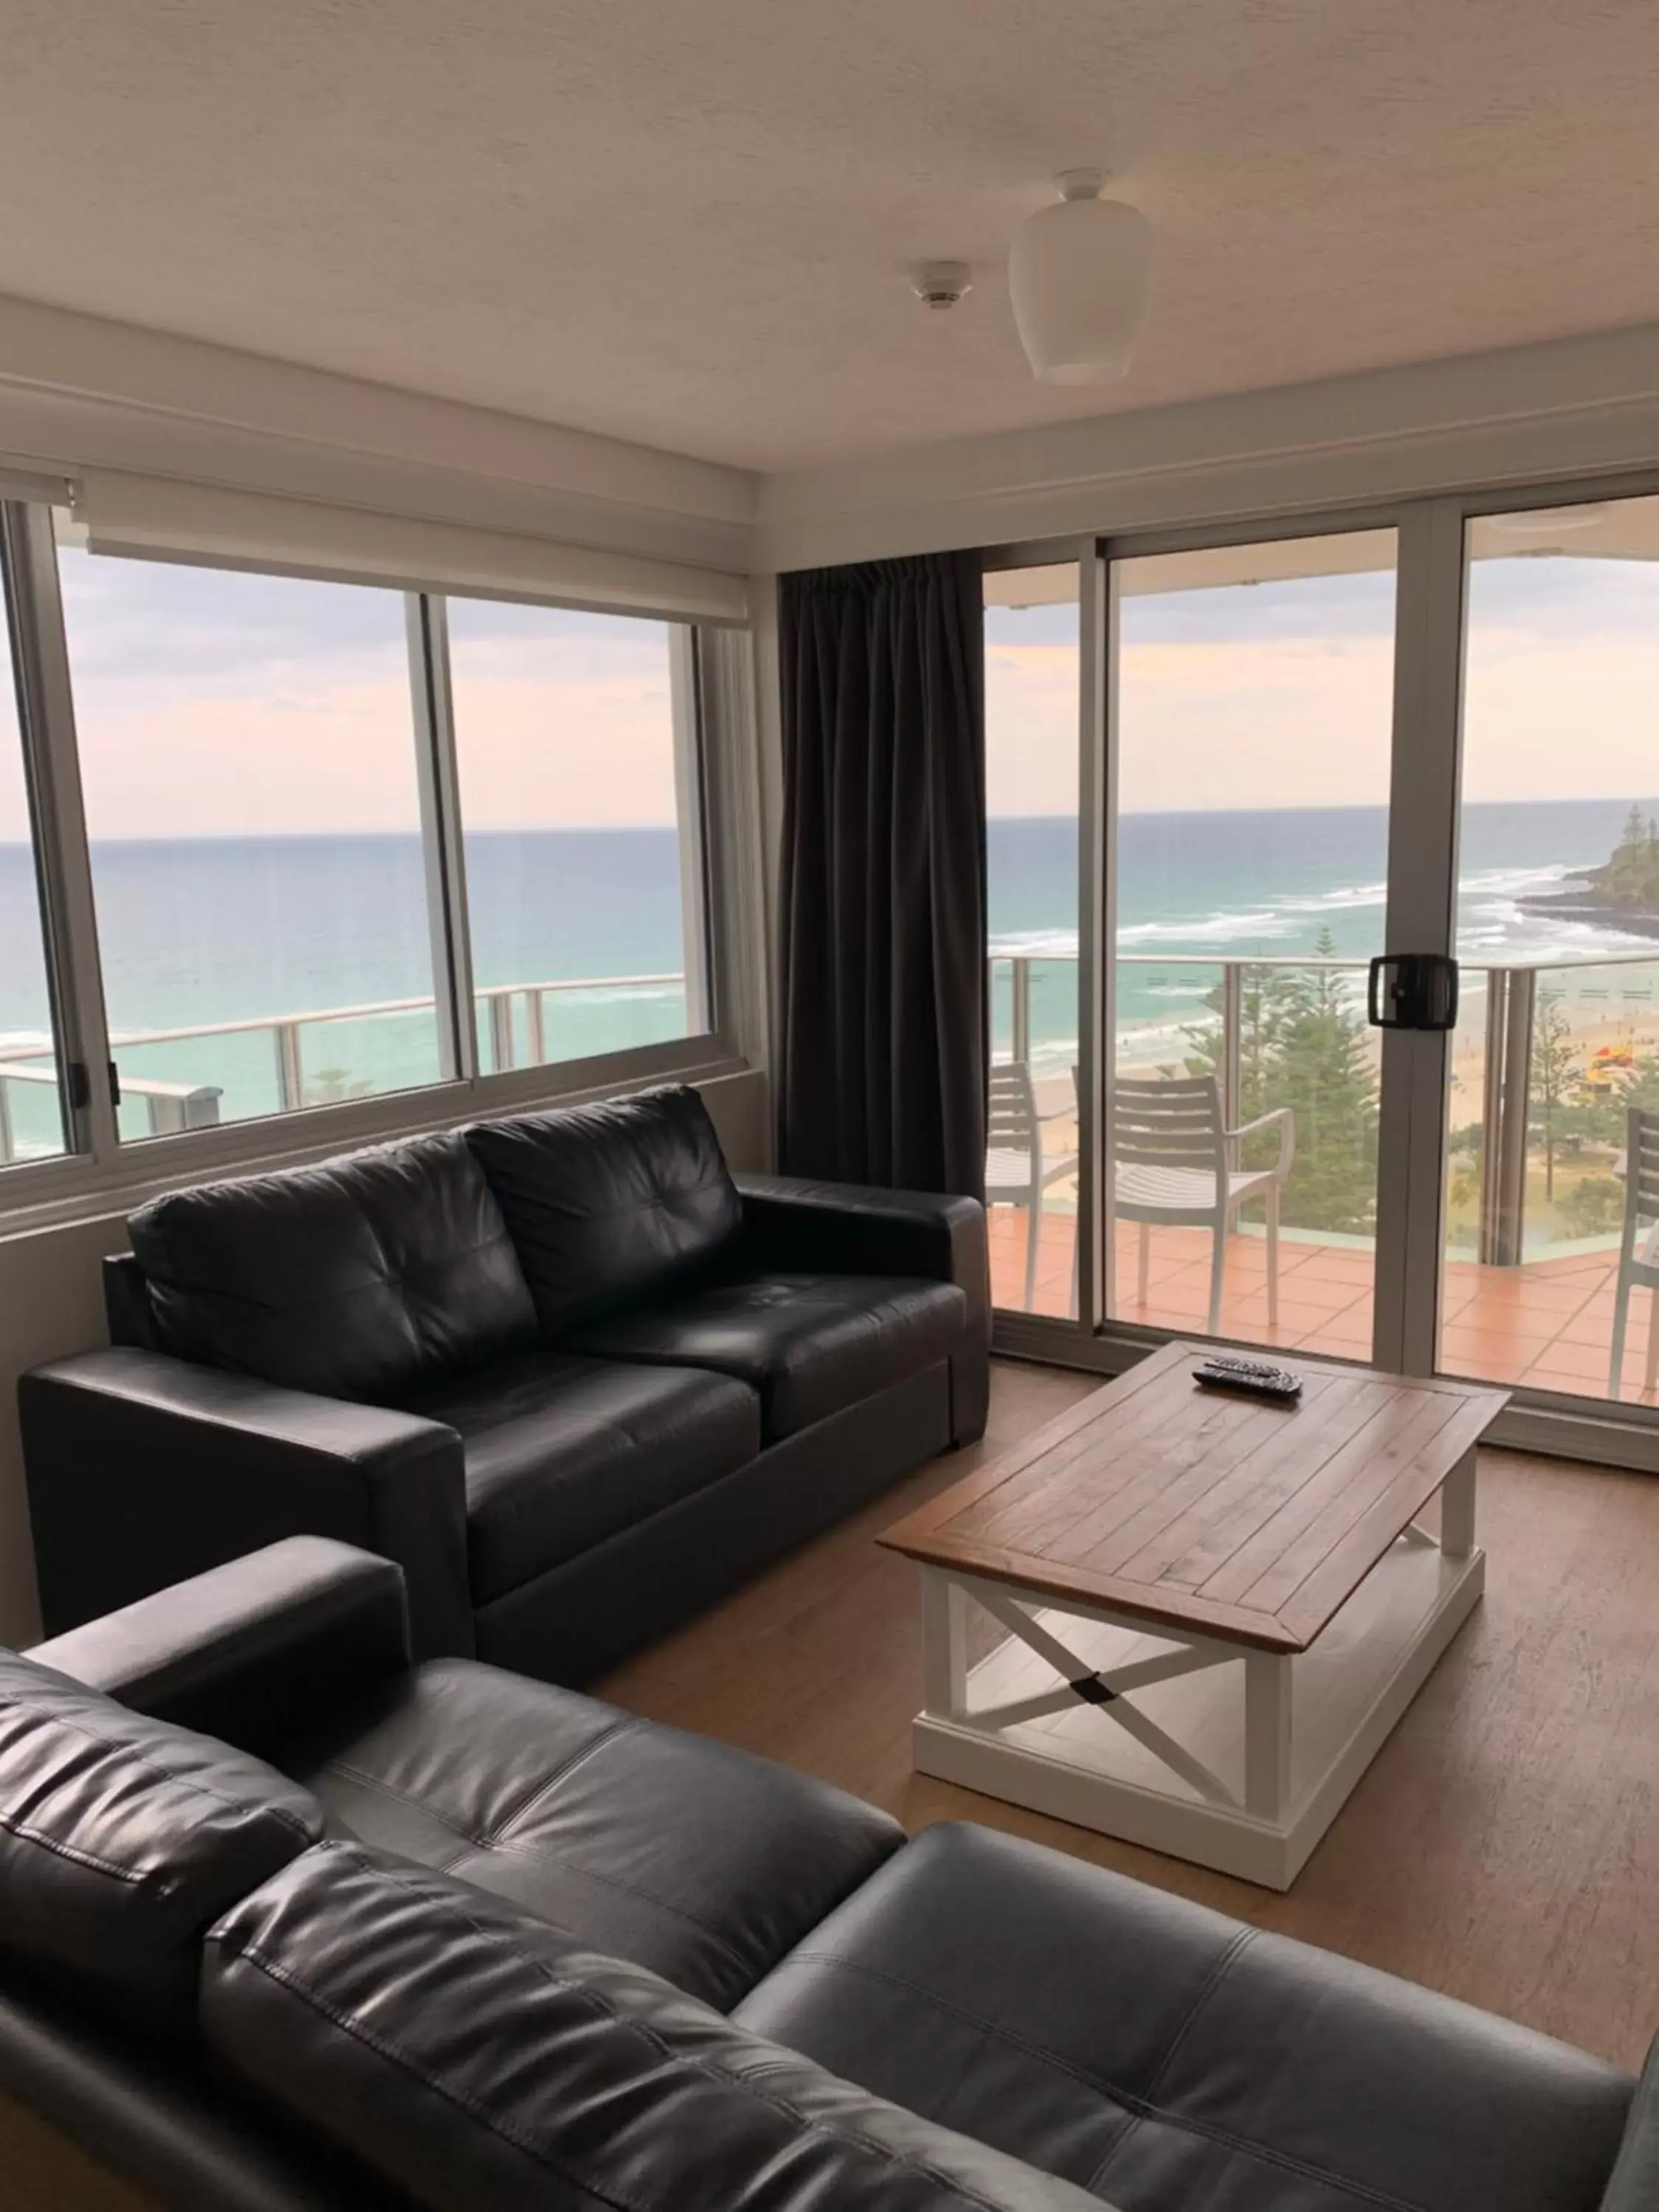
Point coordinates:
pixel 1259 1377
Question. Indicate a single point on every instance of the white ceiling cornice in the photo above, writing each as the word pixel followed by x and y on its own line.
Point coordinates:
pixel 77 391
pixel 1573 406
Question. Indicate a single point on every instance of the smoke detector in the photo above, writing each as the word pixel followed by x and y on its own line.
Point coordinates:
pixel 942 283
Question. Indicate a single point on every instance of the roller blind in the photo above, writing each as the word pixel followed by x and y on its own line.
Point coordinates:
pixel 155 518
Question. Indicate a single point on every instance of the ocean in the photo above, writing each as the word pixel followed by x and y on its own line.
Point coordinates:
pixel 1196 889
pixel 239 929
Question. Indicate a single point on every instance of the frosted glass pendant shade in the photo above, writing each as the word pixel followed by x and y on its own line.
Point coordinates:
pixel 1079 274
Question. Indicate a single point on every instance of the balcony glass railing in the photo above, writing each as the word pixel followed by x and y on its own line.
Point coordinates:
pixel 1545 1062
pixel 194 1076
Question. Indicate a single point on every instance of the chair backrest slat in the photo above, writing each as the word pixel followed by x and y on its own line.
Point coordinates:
pixel 1642 1162
pixel 1171 1123
pixel 1012 1123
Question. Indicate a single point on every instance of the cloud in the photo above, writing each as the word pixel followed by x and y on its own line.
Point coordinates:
pixel 213 704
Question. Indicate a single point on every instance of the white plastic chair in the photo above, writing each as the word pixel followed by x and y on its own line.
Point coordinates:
pixel 1016 1172
pixel 1638 1250
pixel 1173 1166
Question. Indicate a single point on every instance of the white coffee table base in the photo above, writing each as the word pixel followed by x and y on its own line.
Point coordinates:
pixel 1216 1752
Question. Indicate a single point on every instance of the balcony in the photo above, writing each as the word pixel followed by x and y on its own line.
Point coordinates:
pixel 1542 1061
pixel 1547 1322
pixel 1524 1300
pixel 279 1063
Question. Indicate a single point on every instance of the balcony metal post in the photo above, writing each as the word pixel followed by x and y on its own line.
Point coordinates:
pixel 1020 968
pixel 535 1007
pixel 8 1153
pixel 1232 1043
pixel 1492 1110
pixel 1511 1003
pixel 290 1076
pixel 501 1031
pixel 1517 1086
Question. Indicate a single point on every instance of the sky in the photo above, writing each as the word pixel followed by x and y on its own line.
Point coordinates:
pixel 1280 694
pixel 209 703
pixel 213 703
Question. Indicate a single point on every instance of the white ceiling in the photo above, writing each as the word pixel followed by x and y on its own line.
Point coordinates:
pixel 691 225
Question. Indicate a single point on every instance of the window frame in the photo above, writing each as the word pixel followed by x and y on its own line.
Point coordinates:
pixel 97 1172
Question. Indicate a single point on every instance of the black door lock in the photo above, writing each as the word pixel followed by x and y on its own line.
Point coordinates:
pixel 1412 991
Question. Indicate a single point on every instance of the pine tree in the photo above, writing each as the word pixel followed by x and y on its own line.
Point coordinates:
pixel 1555 1076
pixel 1303 1045
pixel 1325 1074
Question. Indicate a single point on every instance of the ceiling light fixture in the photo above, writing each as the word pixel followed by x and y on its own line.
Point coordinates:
pixel 1078 275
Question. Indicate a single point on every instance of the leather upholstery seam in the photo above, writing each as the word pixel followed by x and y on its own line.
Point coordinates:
pixel 1201 1997
pixel 75 1856
pixel 493 1835
pixel 349 1773
pixel 496 1839
pixel 392 1279
pixel 1050 2058
pixel 1213 1981
pixel 348 2024
pixel 508 1847
pixel 592 1998
pixel 275 1812
pixel 744 2084
pixel 1139 2107
pixel 621 1726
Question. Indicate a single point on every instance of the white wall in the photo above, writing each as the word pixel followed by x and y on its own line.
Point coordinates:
pixel 51 1304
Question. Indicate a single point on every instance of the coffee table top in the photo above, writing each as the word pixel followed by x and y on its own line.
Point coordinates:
pixel 1203 1511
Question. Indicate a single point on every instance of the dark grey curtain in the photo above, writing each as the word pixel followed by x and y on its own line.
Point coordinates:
pixel 881 1065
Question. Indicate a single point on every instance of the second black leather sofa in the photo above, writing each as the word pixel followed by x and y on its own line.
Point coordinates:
pixel 288 1924
pixel 571 1375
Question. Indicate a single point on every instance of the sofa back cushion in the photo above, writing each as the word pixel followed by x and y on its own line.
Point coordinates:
pixel 474 2056
pixel 360 1278
pixel 612 1204
pixel 123 1839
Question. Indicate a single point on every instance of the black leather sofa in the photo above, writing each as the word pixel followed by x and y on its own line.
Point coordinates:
pixel 571 1376
pixel 286 1922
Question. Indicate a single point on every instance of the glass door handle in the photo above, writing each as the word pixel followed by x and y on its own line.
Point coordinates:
pixel 1412 991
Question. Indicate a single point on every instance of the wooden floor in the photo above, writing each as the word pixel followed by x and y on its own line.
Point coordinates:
pixel 1504 1845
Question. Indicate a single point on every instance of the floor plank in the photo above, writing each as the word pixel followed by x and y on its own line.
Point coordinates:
pixel 1504 1845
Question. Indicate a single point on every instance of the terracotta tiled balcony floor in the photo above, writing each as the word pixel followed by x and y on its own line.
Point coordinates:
pixel 1548 1323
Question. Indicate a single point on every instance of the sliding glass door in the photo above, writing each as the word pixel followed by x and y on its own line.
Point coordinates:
pixel 1261 802
pixel 1248 862
pixel 1033 1165
pixel 1551 1250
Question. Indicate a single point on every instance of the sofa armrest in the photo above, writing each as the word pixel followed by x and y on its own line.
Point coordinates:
pixel 1633 2184
pixel 251 1651
pixel 853 1228
pixel 143 1469
pixel 846 1228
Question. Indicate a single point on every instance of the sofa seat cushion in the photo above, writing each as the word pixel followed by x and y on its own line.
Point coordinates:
pixel 810 1344
pixel 362 1277
pixel 478 2059
pixel 562 1452
pixel 1165 2056
pixel 699 1862
pixel 623 1200
pixel 123 1839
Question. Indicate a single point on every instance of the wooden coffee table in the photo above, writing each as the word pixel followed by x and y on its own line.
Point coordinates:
pixel 1154 1535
